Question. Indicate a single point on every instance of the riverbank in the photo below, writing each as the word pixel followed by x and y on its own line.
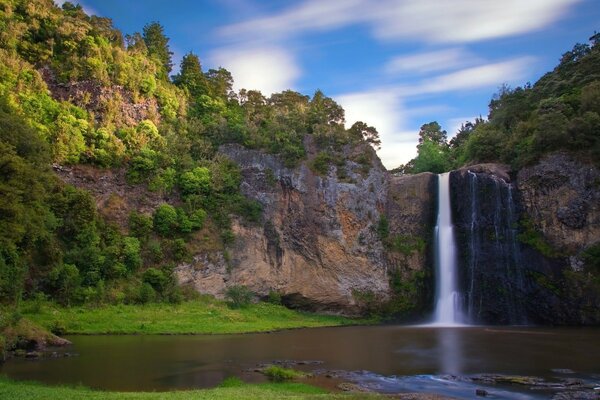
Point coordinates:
pixel 204 316
pixel 232 389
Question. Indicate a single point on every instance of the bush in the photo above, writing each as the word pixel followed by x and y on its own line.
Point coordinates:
pixel 140 225
pixel 274 297
pixel 279 374
pixel 239 296
pixel 131 253
pixel 146 294
pixel 165 219
pixel 155 278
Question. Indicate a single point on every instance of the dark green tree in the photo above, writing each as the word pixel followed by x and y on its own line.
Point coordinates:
pixel 158 45
pixel 191 76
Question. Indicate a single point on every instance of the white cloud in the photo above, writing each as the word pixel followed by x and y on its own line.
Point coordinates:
pixel 382 109
pixel 269 69
pixel 432 61
pixel 456 21
pixel 473 78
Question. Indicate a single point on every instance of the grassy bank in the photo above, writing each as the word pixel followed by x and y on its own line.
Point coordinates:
pixel 205 316
pixel 12 390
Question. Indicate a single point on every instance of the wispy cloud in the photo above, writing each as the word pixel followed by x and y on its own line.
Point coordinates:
pixel 432 61
pixel 456 21
pixel 473 78
pixel 269 69
pixel 385 108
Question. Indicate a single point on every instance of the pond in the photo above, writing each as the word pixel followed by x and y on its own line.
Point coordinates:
pixel 384 354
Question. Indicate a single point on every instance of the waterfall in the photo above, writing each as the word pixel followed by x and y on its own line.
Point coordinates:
pixel 448 305
pixel 493 280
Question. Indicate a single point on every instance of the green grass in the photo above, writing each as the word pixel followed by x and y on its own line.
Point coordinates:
pixel 14 390
pixel 280 374
pixel 205 316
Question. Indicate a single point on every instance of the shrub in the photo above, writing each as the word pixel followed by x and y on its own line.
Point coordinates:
pixel 239 296
pixel 131 253
pixel 155 278
pixel 320 164
pixel 146 294
pixel 274 297
pixel 140 225
pixel 280 374
pixel 165 219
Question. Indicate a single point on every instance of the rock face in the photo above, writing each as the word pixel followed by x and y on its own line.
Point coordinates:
pixel 519 241
pixel 561 196
pixel 115 197
pixel 317 244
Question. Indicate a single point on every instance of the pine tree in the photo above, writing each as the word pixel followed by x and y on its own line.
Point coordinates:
pixel 158 45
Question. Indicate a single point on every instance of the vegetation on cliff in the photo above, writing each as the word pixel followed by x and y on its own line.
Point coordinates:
pixel 561 111
pixel 75 90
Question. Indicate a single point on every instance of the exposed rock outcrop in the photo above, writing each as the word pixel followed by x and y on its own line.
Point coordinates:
pixel 115 197
pixel 561 197
pixel 317 245
pixel 103 101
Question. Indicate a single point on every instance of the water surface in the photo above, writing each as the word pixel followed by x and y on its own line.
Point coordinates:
pixel 133 363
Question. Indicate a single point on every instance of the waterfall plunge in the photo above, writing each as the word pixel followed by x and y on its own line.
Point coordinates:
pixel 448 305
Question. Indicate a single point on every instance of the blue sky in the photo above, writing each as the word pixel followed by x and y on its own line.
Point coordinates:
pixel 394 64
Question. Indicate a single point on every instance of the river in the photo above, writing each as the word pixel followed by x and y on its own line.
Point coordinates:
pixel 390 358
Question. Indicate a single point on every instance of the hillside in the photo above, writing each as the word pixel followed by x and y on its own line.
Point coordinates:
pixel 137 183
pixel 124 184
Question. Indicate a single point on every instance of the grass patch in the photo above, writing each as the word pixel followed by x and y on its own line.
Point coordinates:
pixel 280 374
pixel 13 390
pixel 205 316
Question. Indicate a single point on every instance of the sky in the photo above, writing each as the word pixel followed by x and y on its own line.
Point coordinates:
pixel 394 64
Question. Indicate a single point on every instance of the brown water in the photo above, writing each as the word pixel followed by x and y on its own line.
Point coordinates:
pixel 133 363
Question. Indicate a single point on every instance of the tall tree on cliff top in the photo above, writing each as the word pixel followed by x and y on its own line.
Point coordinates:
pixel 191 76
pixel 158 45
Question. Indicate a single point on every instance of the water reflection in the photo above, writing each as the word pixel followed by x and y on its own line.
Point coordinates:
pixel 450 347
pixel 179 362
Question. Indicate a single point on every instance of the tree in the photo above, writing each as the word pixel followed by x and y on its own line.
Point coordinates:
pixel 433 132
pixel 360 130
pixel 158 45
pixel 324 110
pixel 165 219
pixel 220 83
pixel 191 76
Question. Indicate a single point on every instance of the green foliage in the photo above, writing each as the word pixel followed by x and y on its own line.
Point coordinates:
pixel 239 296
pixel 165 219
pixel 140 225
pixel 406 244
pixel 406 292
pixel 383 227
pixel 320 164
pixel 158 45
pixel 131 253
pixel 532 237
pixel 196 181
pixel 591 257
pixel 280 374
pixel 274 297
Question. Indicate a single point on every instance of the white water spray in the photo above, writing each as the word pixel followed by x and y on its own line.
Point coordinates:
pixel 447 301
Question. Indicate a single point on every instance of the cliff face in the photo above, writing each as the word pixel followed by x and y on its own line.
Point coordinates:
pixel 520 241
pixel 317 244
pixel 561 199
